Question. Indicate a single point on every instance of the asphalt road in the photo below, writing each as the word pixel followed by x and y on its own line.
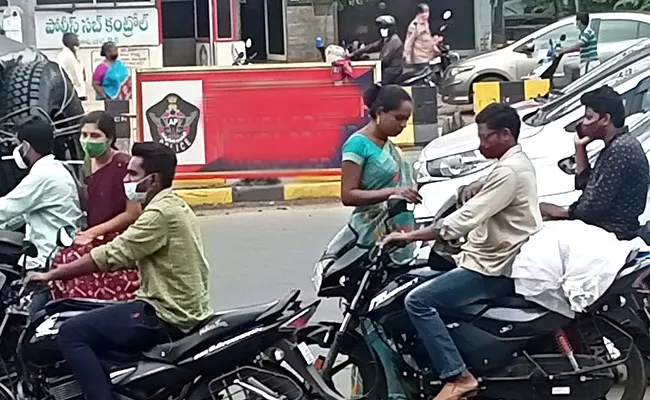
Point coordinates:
pixel 257 256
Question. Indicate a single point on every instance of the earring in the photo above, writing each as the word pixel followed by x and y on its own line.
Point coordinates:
pixel 378 120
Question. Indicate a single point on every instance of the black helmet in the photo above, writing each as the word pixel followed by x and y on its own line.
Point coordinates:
pixel 385 22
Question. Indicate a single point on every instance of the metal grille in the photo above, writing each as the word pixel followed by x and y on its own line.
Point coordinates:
pixel 250 383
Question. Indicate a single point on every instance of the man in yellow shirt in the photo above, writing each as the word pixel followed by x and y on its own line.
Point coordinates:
pixel 498 216
pixel 165 245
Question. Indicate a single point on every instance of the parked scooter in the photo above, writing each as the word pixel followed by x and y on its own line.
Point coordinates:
pixel 549 64
pixel 512 345
pixel 240 57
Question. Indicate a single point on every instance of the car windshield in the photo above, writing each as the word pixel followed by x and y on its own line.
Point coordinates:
pixel 619 68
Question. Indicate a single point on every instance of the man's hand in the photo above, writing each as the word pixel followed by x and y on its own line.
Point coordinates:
pixel 552 212
pixel 34 277
pixel 470 191
pixel 582 141
pixel 395 238
pixel 85 238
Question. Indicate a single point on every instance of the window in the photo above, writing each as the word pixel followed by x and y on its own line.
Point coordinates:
pixel 617 30
pixel 570 30
pixel 87 2
pixel 224 19
pixel 644 30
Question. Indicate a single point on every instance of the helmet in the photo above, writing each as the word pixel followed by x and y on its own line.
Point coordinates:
pixel 385 22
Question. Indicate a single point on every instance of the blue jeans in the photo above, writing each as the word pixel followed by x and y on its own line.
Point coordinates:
pixel 456 288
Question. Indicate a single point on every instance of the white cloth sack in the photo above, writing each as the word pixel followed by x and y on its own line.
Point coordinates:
pixel 568 265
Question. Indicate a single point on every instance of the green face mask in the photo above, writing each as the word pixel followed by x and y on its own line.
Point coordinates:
pixel 94 149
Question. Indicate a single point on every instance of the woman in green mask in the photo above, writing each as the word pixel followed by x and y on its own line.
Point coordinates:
pixel 108 211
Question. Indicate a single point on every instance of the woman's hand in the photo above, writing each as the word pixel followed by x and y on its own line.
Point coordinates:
pixel 409 194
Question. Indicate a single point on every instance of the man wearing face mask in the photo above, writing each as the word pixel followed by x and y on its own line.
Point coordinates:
pixel 614 191
pixel 498 215
pixel 165 245
pixel 390 48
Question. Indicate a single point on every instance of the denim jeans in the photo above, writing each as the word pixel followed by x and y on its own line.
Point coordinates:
pixel 454 289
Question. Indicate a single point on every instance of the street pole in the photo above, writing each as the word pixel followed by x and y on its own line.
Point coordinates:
pixel 211 21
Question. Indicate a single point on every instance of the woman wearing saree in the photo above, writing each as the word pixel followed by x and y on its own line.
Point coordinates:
pixel 108 212
pixel 372 170
pixel 111 77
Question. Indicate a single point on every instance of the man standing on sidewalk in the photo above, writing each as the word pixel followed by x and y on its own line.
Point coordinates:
pixel 69 61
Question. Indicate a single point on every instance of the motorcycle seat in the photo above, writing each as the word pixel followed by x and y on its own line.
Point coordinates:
pixel 220 324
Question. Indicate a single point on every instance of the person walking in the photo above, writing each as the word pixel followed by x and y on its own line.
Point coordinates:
pixel 108 210
pixel 420 46
pixel 587 44
pixel 69 62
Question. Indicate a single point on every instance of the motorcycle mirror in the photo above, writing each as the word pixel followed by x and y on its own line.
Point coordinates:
pixel 64 238
pixel 240 55
pixel 562 37
pixel 249 43
pixel 446 15
pixel 396 205
pixel 29 249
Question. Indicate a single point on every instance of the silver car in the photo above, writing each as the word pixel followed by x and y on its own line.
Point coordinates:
pixel 615 30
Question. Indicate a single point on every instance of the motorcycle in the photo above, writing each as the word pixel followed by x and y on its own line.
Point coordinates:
pixel 548 66
pixel 250 352
pixel 513 346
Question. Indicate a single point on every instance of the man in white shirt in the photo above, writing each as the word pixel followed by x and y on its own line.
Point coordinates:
pixel 67 59
pixel 47 198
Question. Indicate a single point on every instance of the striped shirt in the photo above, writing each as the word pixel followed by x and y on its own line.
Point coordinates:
pixel 589 49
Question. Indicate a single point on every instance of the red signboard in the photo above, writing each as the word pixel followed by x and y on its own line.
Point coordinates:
pixel 236 122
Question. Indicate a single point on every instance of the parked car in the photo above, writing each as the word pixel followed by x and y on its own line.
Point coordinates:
pixel 615 31
pixel 546 136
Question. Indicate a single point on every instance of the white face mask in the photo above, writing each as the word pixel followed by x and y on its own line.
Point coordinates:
pixel 131 191
pixel 18 157
pixel 383 32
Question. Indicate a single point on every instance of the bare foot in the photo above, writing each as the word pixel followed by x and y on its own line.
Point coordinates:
pixel 464 385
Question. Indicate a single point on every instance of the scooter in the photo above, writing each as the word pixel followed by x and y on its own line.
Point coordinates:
pixel 239 57
pixel 548 66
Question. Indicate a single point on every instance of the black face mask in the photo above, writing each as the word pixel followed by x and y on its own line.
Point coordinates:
pixel 111 58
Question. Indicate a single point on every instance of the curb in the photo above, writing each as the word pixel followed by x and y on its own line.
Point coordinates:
pixel 241 194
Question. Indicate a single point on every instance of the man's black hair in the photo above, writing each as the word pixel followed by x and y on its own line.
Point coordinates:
pixel 583 17
pixel 499 116
pixel 69 39
pixel 156 158
pixel 605 100
pixel 385 98
pixel 38 133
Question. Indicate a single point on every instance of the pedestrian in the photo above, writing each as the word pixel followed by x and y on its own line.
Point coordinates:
pixel 373 169
pixel 587 44
pixel 108 213
pixel 69 62
pixel 420 46
pixel 111 77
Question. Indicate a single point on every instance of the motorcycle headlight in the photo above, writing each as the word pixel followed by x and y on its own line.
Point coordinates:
pixel 457 165
pixel 459 70
pixel 319 268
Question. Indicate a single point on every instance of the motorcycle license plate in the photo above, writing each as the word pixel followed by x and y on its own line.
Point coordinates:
pixel 306 353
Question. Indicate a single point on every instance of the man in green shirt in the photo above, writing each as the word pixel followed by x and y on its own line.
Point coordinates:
pixel 587 44
pixel 165 245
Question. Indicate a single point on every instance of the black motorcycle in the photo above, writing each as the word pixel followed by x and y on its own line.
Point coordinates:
pixel 512 345
pixel 248 353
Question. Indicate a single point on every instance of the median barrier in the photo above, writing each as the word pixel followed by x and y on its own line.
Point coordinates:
pixel 486 93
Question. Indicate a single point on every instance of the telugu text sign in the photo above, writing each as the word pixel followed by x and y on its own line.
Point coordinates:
pixel 126 27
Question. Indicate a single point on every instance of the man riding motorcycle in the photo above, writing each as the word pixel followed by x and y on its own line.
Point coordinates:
pixel 390 48
pixel 165 245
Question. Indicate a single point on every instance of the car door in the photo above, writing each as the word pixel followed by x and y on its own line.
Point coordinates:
pixel 617 34
pixel 541 46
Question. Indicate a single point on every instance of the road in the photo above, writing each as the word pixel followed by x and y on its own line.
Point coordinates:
pixel 257 256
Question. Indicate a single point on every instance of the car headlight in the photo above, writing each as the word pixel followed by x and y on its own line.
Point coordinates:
pixel 319 268
pixel 457 165
pixel 460 69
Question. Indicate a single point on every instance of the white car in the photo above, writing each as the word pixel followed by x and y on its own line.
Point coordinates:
pixel 547 138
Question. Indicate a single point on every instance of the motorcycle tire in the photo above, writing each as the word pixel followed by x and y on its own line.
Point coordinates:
pixel 635 384
pixel 39 84
pixel 368 368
